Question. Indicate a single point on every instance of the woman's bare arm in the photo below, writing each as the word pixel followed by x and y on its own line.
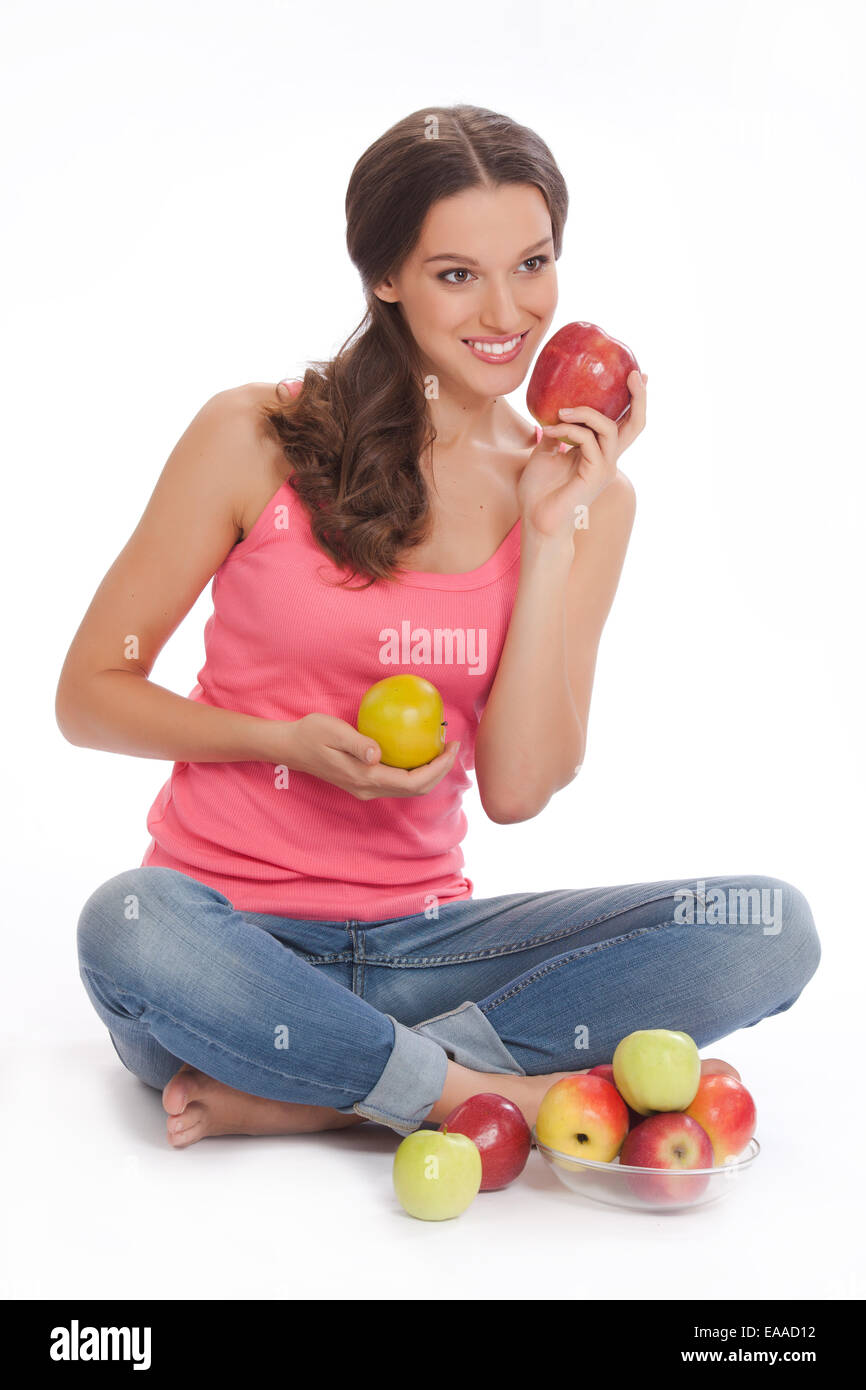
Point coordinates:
pixel 104 696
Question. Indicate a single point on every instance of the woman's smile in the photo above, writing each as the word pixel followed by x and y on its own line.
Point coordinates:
pixel 496 350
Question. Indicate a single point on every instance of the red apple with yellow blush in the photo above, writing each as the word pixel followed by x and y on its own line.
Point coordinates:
pixel 726 1110
pixel 582 1116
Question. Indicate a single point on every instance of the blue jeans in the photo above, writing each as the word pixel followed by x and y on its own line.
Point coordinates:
pixel 363 1016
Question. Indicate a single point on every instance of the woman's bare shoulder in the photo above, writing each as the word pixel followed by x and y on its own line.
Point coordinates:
pixel 253 395
pixel 266 468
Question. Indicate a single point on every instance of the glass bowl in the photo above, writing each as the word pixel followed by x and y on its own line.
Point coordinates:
pixel 648 1189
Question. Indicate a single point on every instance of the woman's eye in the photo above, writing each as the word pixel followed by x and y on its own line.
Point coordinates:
pixel 446 273
pixel 540 262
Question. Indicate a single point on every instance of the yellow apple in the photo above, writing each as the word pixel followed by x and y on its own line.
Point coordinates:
pixel 404 715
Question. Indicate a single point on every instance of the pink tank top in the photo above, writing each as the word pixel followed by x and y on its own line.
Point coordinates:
pixel 284 641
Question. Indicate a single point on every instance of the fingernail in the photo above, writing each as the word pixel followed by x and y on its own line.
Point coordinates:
pixel 568 410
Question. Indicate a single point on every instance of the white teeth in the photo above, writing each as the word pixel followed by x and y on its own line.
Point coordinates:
pixel 495 349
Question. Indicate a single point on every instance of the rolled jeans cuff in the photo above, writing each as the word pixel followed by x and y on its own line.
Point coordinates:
pixel 410 1084
pixel 469 1038
pixel 415 1072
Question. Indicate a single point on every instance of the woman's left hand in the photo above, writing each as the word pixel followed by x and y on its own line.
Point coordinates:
pixel 554 485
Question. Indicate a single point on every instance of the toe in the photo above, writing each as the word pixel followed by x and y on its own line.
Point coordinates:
pixel 714 1066
pixel 177 1091
pixel 183 1130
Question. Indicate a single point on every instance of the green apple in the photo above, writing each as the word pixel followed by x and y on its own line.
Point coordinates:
pixel 437 1174
pixel 657 1069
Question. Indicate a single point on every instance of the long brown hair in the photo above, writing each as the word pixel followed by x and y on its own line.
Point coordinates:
pixel 355 432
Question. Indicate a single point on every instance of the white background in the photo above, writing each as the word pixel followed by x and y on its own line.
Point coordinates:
pixel 174 177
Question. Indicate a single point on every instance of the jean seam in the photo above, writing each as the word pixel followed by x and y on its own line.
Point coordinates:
pixel 344 958
pixel 413 962
pixel 567 959
pixel 355 962
pixel 220 1047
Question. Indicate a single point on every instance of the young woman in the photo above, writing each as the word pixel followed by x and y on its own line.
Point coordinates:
pixel 300 948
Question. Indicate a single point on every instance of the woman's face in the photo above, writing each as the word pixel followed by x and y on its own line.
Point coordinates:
pixel 483 269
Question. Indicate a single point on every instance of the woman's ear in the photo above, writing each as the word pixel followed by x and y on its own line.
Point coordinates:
pixel 386 292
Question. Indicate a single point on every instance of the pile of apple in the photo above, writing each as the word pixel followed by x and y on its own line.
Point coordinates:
pixel 650 1108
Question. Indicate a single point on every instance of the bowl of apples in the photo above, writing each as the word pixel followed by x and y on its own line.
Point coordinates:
pixel 649 1130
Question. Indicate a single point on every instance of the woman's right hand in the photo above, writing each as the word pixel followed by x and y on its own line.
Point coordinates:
pixel 332 749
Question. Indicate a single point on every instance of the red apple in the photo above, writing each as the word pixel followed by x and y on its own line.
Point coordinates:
pixel 580 365
pixel 672 1140
pixel 498 1128
pixel 726 1110
pixel 605 1069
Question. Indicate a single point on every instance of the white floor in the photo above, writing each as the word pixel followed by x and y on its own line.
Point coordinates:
pixel 99 1205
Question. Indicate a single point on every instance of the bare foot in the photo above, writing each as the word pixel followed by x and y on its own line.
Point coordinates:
pixel 198 1106
pixel 531 1089
pixel 525 1091
pixel 711 1066
pixel 537 1087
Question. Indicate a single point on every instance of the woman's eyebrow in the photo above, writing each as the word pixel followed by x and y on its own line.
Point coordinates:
pixel 468 260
